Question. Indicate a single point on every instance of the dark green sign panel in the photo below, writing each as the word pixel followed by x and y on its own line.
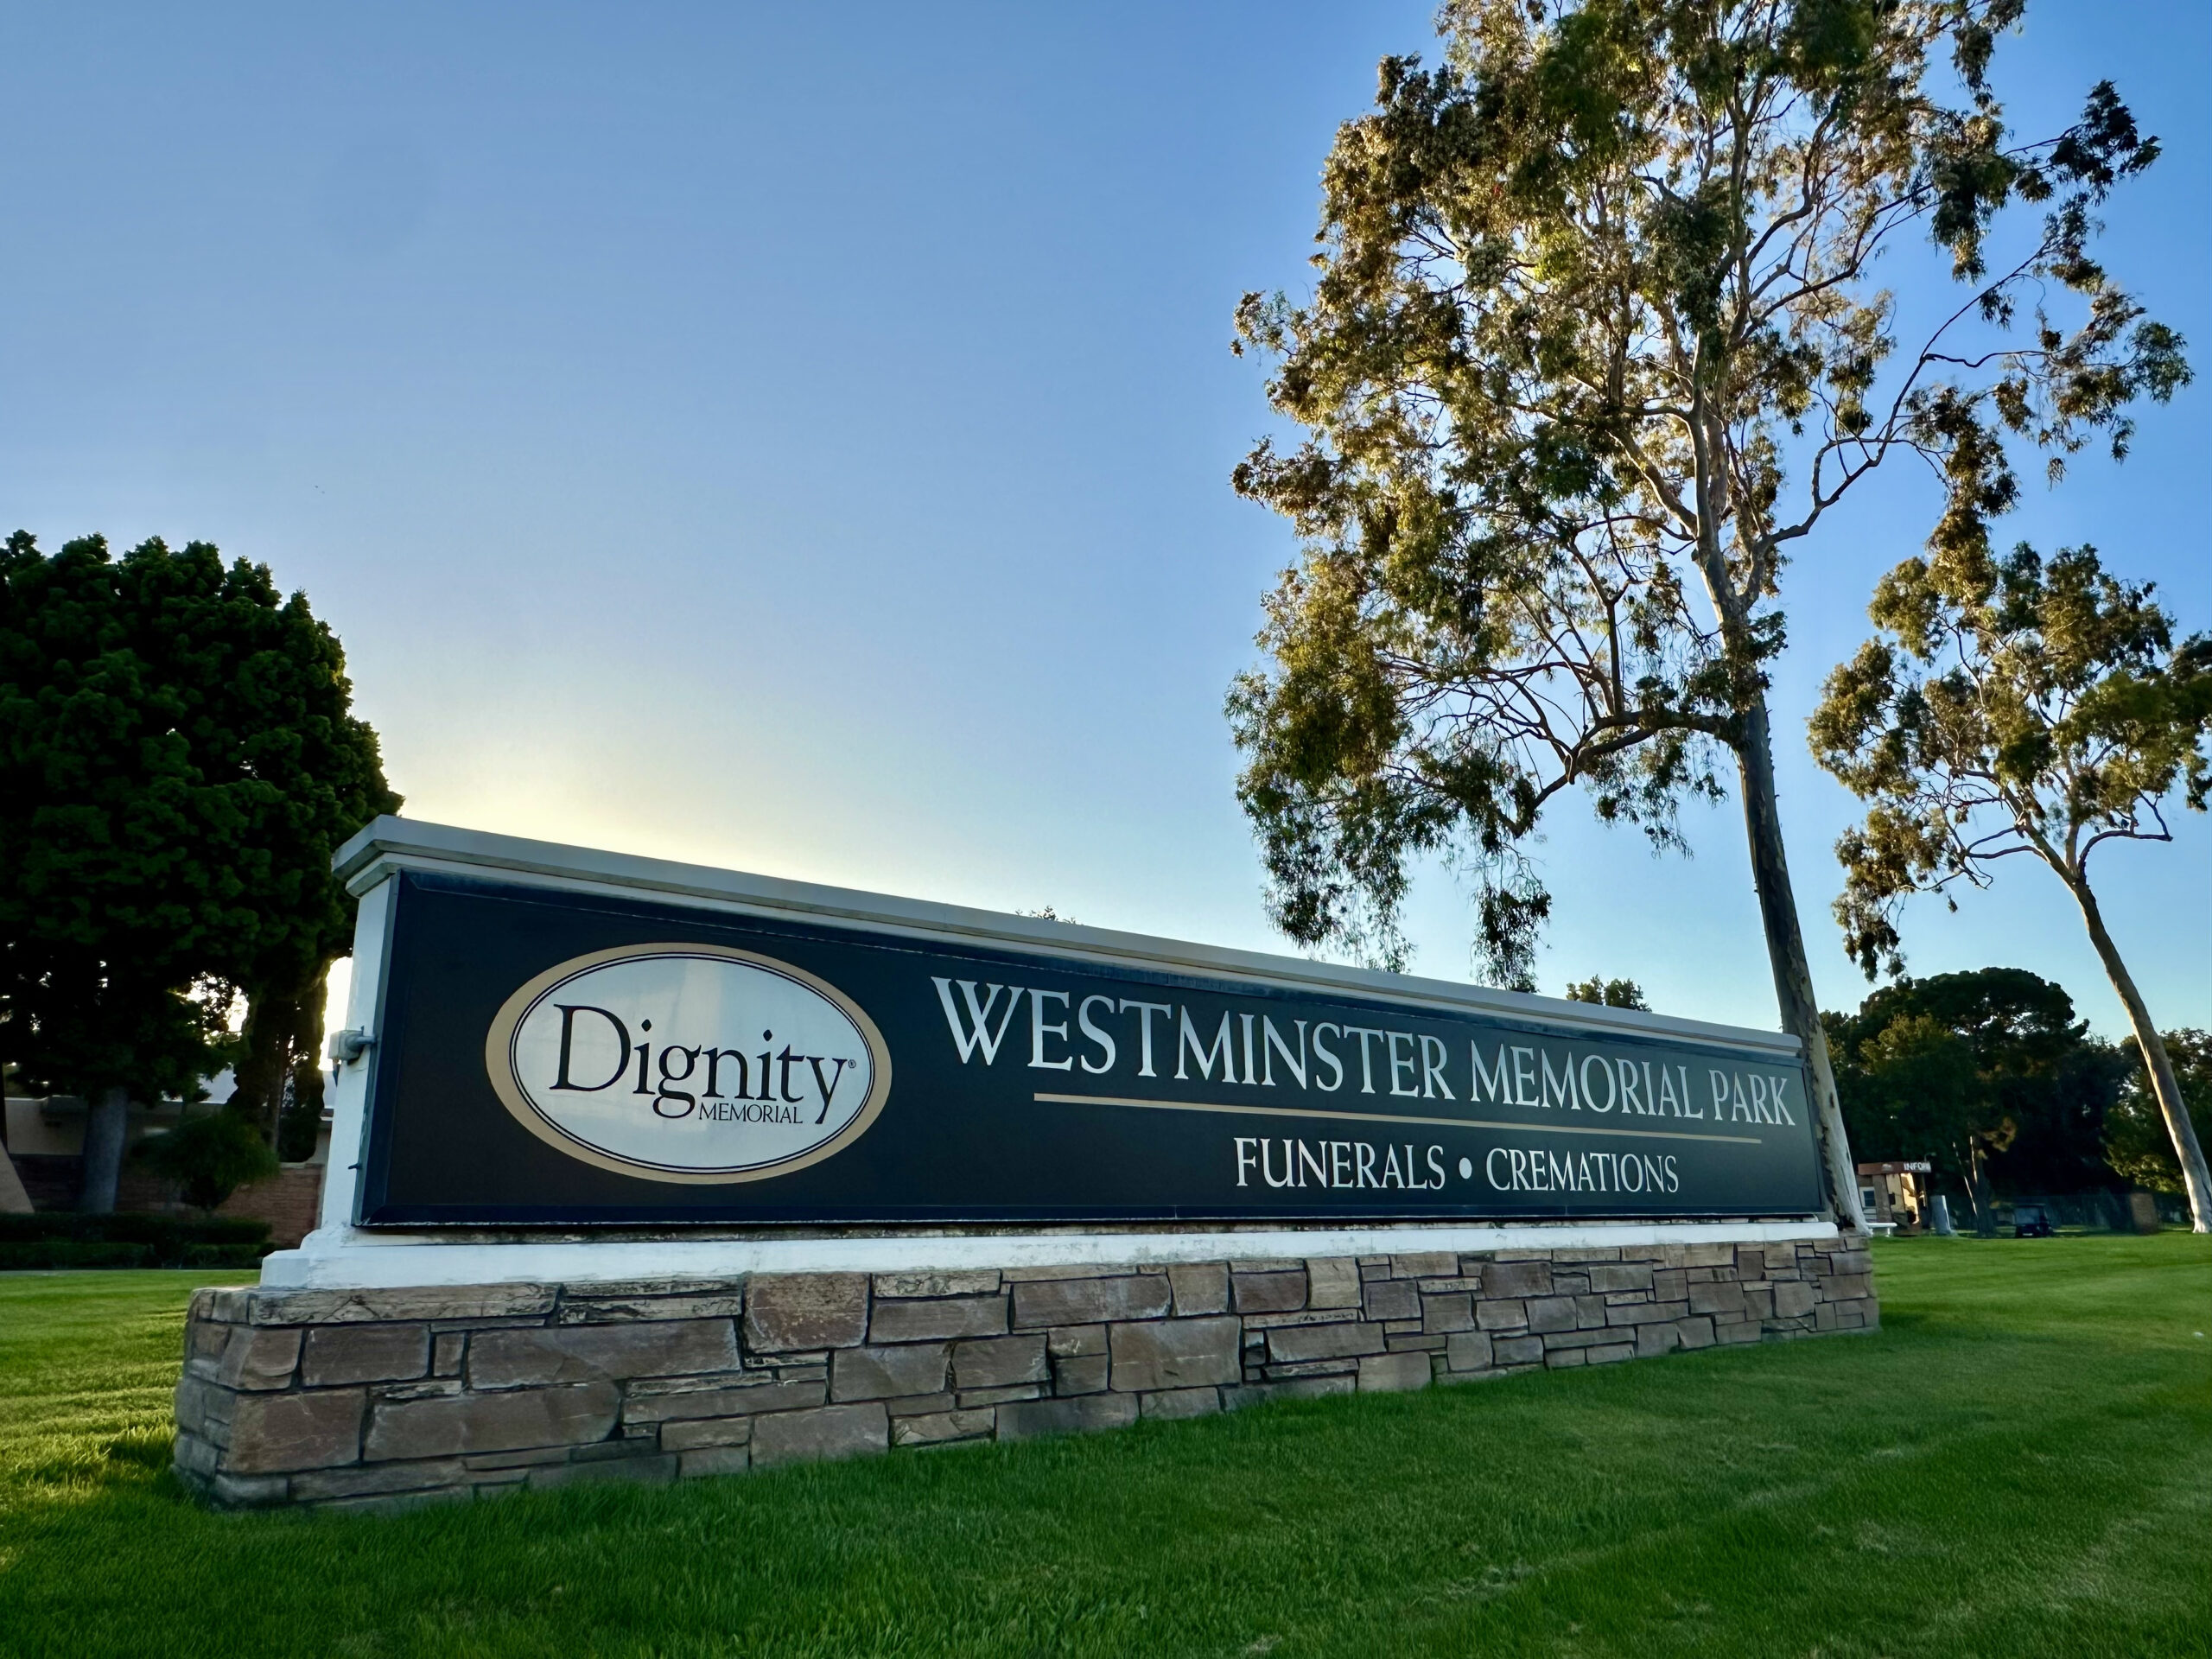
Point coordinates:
pixel 549 1056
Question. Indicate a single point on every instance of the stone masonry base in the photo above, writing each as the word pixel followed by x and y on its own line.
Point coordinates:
pixel 389 1398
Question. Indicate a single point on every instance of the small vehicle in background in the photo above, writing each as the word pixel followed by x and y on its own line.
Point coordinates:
pixel 2031 1221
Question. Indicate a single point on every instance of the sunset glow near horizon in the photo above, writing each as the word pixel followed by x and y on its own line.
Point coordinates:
pixel 799 442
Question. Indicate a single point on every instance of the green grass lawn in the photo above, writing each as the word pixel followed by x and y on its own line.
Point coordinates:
pixel 2020 1463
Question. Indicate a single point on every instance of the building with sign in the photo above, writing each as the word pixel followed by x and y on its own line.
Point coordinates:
pixel 1894 1195
pixel 640 1170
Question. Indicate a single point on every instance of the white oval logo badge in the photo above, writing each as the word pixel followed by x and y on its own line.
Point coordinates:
pixel 688 1063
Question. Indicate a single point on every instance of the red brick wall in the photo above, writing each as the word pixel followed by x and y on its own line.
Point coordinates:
pixel 290 1204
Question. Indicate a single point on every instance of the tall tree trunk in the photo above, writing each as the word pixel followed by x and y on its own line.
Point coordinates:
pixel 2163 1083
pixel 259 1075
pixel 299 1125
pixel 106 1116
pixel 1985 1201
pixel 283 1025
pixel 1785 949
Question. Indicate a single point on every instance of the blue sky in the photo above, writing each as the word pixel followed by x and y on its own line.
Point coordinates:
pixel 797 438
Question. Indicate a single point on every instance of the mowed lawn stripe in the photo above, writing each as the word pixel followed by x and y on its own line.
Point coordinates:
pixel 2018 1463
pixel 1884 1540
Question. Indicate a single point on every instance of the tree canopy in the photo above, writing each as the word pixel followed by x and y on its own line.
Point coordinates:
pixel 2009 707
pixel 2137 1144
pixel 1985 1074
pixel 1609 993
pixel 1594 345
pixel 178 759
pixel 2012 1022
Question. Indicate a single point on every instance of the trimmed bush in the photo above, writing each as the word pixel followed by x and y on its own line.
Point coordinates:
pixel 209 1158
pixel 74 1253
pixel 299 1126
pixel 72 1241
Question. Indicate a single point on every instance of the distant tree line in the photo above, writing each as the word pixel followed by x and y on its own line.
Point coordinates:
pixel 1609 993
pixel 1989 1076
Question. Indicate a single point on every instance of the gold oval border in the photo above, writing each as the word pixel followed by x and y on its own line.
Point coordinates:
pixel 499 1041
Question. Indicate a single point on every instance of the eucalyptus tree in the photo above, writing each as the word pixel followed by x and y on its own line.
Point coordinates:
pixel 2014 709
pixel 1595 347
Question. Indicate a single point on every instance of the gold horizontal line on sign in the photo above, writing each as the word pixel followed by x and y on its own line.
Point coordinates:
pixel 1385 1117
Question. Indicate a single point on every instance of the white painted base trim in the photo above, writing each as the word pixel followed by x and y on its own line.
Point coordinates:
pixel 345 1258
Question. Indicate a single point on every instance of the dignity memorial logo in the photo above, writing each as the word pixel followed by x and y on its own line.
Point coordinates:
pixel 688 1063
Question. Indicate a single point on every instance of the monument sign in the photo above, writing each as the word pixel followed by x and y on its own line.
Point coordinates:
pixel 553 1056
pixel 644 1170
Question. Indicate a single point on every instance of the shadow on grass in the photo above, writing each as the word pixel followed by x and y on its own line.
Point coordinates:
pixel 143 1448
pixel 139 1458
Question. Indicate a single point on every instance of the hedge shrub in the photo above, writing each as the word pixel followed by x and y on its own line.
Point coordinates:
pixel 63 1240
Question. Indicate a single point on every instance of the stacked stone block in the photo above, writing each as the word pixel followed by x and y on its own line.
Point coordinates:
pixel 387 1398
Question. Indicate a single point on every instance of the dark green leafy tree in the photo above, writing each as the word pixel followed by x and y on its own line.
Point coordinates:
pixel 1595 347
pixel 209 1157
pixel 2137 1144
pixel 177 761
pixel 321 777
pixel 2008 708
pixel 1910 1089
pixel 1986 1074
pixel 2064 1117
pixel 2013 1022
pixel 1609 993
